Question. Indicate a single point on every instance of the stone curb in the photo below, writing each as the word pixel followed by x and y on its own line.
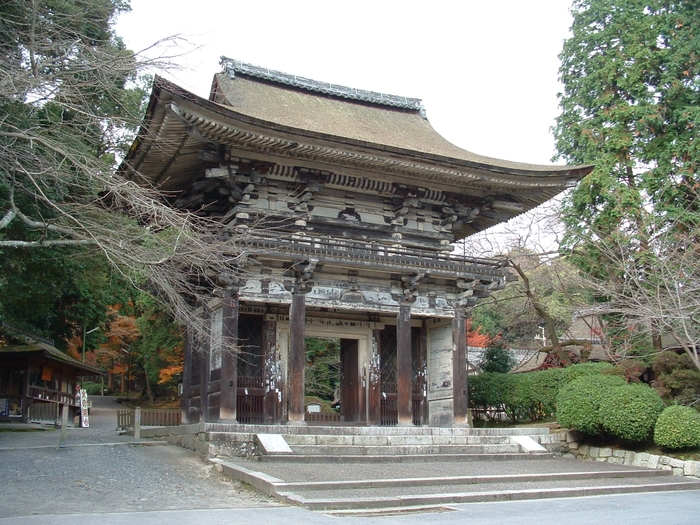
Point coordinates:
pixel 571 447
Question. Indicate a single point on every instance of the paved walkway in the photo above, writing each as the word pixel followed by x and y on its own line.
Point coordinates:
pixel 100 477
pixel 100 471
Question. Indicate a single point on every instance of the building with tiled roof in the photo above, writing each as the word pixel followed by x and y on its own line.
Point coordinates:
pixel 366 199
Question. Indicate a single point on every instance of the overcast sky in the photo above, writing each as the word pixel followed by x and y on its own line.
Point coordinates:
pixel 485 70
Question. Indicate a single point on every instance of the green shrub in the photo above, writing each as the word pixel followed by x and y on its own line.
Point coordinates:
pixel 678 427
pixel 579 402
pixel 545 387
pixel 93 389
pixel 532 395
pixel 630 411
pixel 487 390
pixel 572 372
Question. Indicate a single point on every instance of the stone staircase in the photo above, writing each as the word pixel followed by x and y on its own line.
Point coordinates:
pixel 348 470
pixel 390 444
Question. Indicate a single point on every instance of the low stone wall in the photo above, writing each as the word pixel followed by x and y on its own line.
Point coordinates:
pixel 572 447
pixel 206 444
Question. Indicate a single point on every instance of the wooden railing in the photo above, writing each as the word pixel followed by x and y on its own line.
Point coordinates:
pixel 322 417
pixel 380 254
pixel 150 417
pixel 44 411
pixel 51 396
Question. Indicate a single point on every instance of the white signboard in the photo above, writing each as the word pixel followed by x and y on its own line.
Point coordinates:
pixel 84 417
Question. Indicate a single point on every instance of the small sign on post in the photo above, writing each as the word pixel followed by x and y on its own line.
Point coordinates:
pixel 84 408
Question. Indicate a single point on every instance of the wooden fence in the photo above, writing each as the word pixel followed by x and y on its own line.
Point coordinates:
pixel 150 417
pixel 322 417
pixel 43 411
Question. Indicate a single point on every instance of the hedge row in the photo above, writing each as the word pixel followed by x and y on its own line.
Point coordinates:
pixel 529 396
pixel 590 398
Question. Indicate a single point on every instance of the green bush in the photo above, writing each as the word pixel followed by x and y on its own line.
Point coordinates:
pixel 487 390
pixel 93 389
pixel 545 387
pixel 579 402
pixel 630 411
pixel 678 427
pixel 570 373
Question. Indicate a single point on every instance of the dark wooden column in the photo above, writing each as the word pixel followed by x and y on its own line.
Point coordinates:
pixel 229 356
pixel 297 359
pixel 374 388
pixel 205 373
pixel 274 382
pixel 186 378
pixel 460 377
pixel 404 368
pixel 351 392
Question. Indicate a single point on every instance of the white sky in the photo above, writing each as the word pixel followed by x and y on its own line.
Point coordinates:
pixel 485 70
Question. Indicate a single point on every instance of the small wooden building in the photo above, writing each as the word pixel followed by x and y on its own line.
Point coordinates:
pixel 367 199
pixel 36 379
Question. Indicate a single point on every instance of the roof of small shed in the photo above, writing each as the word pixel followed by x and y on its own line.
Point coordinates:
pixel 48 352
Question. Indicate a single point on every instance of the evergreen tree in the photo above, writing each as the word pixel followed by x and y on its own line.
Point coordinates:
pixel 631 106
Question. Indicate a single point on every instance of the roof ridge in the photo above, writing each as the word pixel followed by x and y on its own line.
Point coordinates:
pixel 231 67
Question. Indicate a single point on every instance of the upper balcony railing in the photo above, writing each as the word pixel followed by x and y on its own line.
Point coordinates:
pixel 382 256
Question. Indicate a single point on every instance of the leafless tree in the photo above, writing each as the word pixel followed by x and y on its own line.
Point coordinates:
pixel 658 288
pixel 547 293
pixel 70 102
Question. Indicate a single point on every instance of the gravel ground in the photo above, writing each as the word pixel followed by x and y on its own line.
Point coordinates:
pixel 99 471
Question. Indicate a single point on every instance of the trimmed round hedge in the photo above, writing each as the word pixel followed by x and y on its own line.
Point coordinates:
pixel 678 427
pixel 579 402
pixel 630 411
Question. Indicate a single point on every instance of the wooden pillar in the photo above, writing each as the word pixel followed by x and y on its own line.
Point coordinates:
pixel 229 357
pixel 460 377
pixel 274 382
pixel 186 378
pixel 374 386
pixel 297 359
pixel 350 382
pixel 205 374
pixel 404 368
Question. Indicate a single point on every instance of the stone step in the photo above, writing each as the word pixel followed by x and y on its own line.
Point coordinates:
pixel 368 486
pixel 404 450
pixel 361 440
pixel 406 458
pixel 363 430
pixel 441 495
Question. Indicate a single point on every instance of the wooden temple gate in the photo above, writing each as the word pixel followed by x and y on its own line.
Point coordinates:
pixel 364 199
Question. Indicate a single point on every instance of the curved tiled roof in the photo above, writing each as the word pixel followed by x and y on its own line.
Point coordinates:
pixel 276 98
pixel 263 115
pixel 231 67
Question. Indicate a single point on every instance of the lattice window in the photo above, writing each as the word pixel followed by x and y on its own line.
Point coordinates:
pixel 387 359
pixel 250 356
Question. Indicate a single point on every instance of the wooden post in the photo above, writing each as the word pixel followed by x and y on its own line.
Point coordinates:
pixel 205 373
pixel 374 386
pixel 137 426
pixel 186 378
pixel 274 382
pixel 229 357
pixel 460 377
pixel 404 368
pixel 64 426
pixel 297 359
